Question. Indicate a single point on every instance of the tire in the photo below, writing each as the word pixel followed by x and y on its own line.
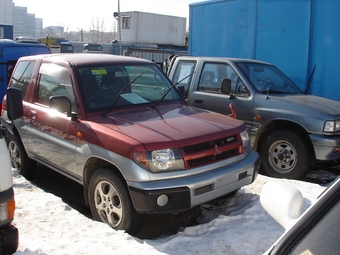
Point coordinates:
pixel 285 155
pixel 110 202
pixel 19 159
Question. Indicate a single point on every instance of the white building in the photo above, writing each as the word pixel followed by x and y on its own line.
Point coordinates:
pixel 6 12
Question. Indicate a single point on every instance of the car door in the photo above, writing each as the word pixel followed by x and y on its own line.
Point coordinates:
pixel 52 138
pixel 207 94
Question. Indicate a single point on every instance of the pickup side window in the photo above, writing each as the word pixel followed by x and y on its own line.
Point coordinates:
pixel 54 80
pixel 183 75
pixel 22 75
pixel 212 75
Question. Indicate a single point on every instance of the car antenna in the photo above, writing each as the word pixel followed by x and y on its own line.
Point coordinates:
pixel 167 91
pixel 120 92
pixel 310 80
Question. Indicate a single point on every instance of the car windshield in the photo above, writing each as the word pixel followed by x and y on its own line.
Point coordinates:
pixel 101 85
pixel 267 79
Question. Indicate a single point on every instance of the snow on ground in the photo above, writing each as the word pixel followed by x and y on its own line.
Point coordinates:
pixel 238 226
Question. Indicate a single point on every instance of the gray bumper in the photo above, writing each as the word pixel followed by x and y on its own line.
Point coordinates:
pixel 179 194
pixel 326 147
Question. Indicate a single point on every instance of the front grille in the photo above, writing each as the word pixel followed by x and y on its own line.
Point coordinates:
pixel 212 158
pixel 212 151
pixel 208 145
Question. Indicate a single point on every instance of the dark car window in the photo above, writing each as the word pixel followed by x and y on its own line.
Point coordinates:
pixel 212 76
pixel 324 237
pixel 54 80
pixel 22 76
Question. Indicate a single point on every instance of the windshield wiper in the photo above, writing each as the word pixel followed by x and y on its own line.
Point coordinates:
pixel 120 92
pixel 168 90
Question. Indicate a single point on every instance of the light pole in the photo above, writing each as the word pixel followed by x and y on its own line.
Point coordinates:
pixel 117 16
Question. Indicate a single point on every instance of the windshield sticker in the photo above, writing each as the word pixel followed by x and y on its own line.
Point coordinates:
pixel 99 72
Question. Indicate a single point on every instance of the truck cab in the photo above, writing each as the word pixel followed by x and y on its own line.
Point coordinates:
pixel 92 48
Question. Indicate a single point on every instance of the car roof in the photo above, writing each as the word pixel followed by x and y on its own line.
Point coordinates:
pixel 84 59
pixel 212 58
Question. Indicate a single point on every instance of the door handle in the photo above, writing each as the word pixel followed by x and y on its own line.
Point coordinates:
pixel 33 114
pixel 198 101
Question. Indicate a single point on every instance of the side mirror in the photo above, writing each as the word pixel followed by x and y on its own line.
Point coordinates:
pixel 226 88
pixel 180 90
pixel 282 201
pixel 14 103
pixel 61 104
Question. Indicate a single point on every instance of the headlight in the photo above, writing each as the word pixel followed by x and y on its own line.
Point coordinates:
pixel 160 160
pixel 332 126
pixel 245 138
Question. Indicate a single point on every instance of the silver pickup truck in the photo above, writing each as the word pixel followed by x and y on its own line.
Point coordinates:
pixel 290 130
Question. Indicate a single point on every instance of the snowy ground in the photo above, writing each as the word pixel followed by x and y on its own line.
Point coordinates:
pixel 238 226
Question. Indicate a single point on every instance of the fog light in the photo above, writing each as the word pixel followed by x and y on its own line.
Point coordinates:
pixel 162 200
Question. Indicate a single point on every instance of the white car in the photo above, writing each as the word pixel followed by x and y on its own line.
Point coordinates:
pixel 9 235
pixel 316 231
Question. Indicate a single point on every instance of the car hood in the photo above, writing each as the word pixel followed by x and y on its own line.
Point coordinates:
pixel 172 125
pixel 306 104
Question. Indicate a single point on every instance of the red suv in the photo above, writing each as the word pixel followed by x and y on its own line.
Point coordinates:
pixel 117 126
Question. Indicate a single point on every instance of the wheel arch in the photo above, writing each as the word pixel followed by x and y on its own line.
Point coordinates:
pixel 91 166
pixel 16 133
pixel 282 125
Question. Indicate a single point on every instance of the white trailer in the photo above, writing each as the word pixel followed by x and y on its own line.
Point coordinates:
pixel 150 28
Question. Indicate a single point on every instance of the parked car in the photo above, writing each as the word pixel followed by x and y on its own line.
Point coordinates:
pixel 316 231
pixel 9 234
pixel 290 129
pixel 117 126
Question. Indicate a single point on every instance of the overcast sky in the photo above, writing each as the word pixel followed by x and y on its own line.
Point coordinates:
pixel 78 14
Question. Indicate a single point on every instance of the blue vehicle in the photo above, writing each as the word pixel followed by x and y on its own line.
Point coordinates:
pixel 10 52
pixel 300 37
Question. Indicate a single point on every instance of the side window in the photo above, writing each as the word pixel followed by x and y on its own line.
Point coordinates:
pixel 183 75
pixel 237 85
pixel 212 75
pixel 22 76
pixel 241 89
pixel 54 80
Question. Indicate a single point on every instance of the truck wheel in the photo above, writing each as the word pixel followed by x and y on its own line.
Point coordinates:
pixel 110 202
pixel 19 159
pixel 285 155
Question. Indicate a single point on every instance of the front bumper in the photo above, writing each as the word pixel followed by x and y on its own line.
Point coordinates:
pixel 9 239
pixel 179 194
pixel 326 148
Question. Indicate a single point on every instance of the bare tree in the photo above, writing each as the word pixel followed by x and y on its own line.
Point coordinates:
pixel 97 29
